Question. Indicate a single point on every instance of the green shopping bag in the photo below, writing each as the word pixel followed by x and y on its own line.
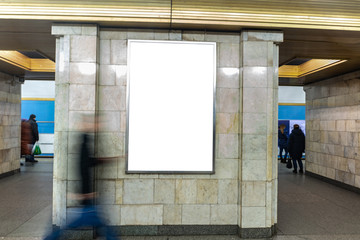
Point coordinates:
pixel 36 149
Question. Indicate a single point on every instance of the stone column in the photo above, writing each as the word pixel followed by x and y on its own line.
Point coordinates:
pixel 75 94
pixel 258 141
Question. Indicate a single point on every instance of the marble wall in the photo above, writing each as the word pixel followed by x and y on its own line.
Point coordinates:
pixel 10 119
pixel 333 127
pixel 243 190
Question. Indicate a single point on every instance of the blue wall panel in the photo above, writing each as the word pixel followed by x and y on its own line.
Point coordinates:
pixel 44 111
pixel 291 112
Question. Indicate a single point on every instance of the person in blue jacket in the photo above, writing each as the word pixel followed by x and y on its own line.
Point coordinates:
pixel 282 143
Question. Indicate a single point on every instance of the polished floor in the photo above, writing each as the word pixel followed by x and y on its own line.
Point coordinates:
pixel 308 208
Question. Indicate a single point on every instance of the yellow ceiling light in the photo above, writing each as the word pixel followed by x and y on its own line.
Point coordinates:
pixel 31 64
pixel 307 67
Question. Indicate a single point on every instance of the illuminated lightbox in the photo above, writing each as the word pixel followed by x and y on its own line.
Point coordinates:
pixel 171 106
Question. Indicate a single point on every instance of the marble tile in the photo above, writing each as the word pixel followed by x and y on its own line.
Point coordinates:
pixel 254 77
pixel 253 217
pixel 105 51
pixel 119 189
pixel 115 35
pixel 254 35
pixel 121 75
pixel 228 100
pixel 111 214
pixel 172 214
pixel 227 123
pixel 255 54
pixel 225 38
pixel 142 35
pixel 164 191
pixel 254 146
pixel 112 144
pixel 112 98
pixel 229 55
pixel 185 191
pixel 82 73
pixel 253 194
pixel 228 146
pixel 207 191
pixel 226 169
pixel 82 97
pixel 256 100
pixel 118 52
pixel 106 191
pixel 110 121
pixel 107 75
pixel 138 191
pixel 224 214
pixel 193 36
pixel 83 49
pixel 254 170
pixel 195 214
pixel 254 123
pixel 228 192
pixel 64 29
pixel 141 215
pixel 228 78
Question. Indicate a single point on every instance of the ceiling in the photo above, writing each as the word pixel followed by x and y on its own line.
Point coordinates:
pixel 24 35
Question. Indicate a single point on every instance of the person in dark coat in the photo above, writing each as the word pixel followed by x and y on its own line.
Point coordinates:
pixel 296 147
pixel 282 142
pixel 34 137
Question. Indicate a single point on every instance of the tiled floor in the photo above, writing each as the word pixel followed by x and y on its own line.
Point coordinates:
pixel 308 208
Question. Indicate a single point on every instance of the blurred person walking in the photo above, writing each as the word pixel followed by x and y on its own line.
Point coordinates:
pixel 296 147
pixel 282 142
pixel 34 137
pixel 89 215
pixel 25 139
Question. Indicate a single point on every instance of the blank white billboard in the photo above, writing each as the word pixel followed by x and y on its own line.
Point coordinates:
pixel 171 106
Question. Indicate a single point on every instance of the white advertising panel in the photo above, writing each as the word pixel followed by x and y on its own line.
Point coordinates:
pixel 171 106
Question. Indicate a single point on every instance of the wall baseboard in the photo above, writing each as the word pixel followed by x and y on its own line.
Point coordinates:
pixel 7 174
pixel 333 182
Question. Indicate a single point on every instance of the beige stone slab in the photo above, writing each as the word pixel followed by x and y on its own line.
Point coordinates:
pixel 141 215
pixel 254 77
pixel 138 191
pixel 227 100
pixel 254 35
pixel 83 49
pixel 115 35
pixel 253 194
pixel 254 123
pixel 229 55
pixel 65 29
pixel 207 191
pixel 111 214
pixel 255 54
pixel 112 144
pixel 112 98
pixel 193 36
pixel 108 169
pixel 110 121
pixel 253 217
pixel 228 77
pixel 106 191
pixel 119 187
pixel 228 192
pixel 105 51
pixel 253 147
pixel 186 191
pixel 121 75
pixel 228 146
pixel 107 75
pixel 254 170
pixel 226 169
pixel 172 214
pixel 256 100
pixel 224 214
pixel 82 97
pixel 118 52
pixel 227 123
pixel 195 214
pixel 165 191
